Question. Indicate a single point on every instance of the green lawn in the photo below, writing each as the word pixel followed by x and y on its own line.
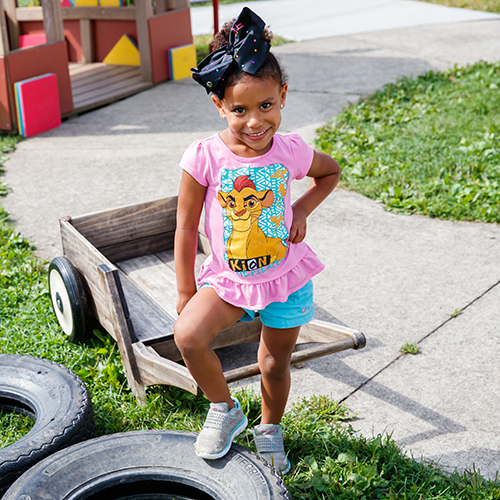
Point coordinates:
pixel 429 145
pixel 484 5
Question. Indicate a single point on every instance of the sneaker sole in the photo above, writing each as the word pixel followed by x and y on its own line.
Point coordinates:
pixel 236 432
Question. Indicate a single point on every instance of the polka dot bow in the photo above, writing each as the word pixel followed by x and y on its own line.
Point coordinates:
pixel 246 49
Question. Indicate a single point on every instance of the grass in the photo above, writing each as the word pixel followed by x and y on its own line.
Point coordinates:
pixel 484 5
pixel 409 348
pixel 429 145
pixel 13 427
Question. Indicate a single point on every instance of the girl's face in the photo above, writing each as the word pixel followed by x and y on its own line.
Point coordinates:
pixel 252 107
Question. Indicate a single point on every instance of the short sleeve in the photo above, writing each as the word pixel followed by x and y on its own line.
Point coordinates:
pixel 302 154
pixel 195 162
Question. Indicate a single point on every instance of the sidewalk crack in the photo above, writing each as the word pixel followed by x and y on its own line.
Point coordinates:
pixel 397 358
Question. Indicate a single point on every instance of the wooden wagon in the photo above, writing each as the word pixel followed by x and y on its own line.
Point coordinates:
pixel 119 266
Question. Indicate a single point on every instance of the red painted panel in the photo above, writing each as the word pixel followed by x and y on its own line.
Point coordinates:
pixel 170 30
pixel 36 61
pixel 71 33
pixel 73 39
pixel 107 33
pixel 31 28
pixel 5 123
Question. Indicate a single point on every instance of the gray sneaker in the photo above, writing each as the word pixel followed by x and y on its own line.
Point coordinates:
pixel 269 442
pixel 220 428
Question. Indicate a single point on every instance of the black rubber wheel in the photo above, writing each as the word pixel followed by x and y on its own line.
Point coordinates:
pixel 68 299
pixel 148 465
pixel 55 398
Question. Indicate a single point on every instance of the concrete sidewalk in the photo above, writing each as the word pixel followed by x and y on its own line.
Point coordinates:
pixel 396 278
pixel 299 21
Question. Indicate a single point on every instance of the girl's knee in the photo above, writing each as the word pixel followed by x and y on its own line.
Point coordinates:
pixel 185 337
pixel 274 367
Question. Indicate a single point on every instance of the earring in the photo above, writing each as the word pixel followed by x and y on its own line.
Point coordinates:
pixel 223 117
pixel 282 106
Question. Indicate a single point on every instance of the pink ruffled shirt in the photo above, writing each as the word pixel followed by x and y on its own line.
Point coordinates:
pixel 248 215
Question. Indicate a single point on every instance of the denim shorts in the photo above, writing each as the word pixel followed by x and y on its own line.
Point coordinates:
pixel 296 311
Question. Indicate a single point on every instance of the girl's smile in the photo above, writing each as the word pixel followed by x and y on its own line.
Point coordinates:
pixel 252 107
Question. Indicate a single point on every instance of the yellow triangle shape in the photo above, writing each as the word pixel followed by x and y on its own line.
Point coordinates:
pixel 124 52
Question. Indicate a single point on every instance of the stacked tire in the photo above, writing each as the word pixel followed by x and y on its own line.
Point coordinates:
pixel 57 459
pixel 55 398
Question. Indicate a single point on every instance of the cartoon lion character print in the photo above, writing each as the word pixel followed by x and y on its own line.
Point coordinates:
pixel 248 246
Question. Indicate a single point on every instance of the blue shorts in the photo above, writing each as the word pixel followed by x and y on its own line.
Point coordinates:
pixel 296 311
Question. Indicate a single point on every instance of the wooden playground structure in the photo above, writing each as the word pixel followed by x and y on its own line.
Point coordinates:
pixel 77 41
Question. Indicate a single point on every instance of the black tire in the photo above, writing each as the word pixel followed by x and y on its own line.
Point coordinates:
pixel 147 465
pixel 68 299
pixel 55 398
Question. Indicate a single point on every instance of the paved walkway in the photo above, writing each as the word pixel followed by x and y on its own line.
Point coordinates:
pixel 299 21
pixel 396 278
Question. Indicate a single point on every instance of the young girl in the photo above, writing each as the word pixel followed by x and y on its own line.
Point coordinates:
pixel 259 260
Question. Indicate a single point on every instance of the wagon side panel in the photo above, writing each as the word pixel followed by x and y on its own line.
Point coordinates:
pixel 87 259
pixel 129 232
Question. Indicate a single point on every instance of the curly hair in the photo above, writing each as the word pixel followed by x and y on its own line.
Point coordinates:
pixel 271 69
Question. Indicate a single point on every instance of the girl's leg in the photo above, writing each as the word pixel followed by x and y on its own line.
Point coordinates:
pixel 205 315
pixel 275 350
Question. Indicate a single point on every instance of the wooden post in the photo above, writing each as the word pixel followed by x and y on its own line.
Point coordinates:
pixel 162 6
pixel 122 331
pixel 87 38
pixel 4 35
pixel 216 15
pixel 144 12
pixel 12 23
pixel 52 21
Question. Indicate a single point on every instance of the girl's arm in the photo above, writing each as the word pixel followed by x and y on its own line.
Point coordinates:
pixel 325 173
pixel 190 205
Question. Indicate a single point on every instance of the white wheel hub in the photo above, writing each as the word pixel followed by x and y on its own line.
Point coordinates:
pixel 62 304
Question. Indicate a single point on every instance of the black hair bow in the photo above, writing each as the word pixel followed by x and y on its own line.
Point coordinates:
pixel 246 49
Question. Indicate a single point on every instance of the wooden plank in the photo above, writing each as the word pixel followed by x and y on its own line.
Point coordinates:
pixel 76 13
pixel 323 331
pixel 144 12
pixel 167 256
pixel 151 323
pixel 111 283
pixel 155 370
pixel 97 102
pixel 240 333
pixel 137 248
pixel 86 258
pixel 155 279
pixel 161 6
pixel 53 21
pixel 94 74
pixel 12 23
pixel 105 88
pixel 87 41
pixel 4 33
pixel 297 357
pixel 133 222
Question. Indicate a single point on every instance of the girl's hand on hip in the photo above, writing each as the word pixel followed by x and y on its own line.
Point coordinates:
pixel 298 229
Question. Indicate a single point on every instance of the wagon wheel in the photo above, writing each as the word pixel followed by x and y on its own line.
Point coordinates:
pixel 68 299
